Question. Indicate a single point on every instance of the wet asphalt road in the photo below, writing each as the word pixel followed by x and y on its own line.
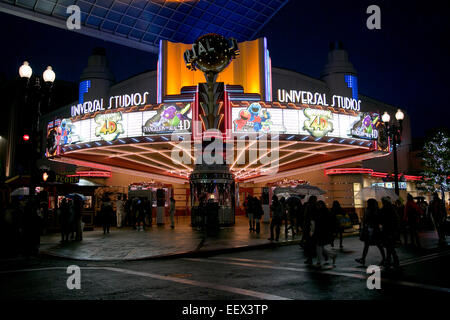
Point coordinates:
pixel 273 274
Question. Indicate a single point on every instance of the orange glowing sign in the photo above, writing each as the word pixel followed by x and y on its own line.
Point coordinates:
pixel 246 70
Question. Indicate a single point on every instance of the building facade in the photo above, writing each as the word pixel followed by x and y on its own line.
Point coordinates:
pixel 140 134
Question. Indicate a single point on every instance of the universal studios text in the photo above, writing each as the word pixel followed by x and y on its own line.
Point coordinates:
pixel 212 147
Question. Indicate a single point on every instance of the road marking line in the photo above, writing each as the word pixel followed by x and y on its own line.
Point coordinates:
pixel 425 258
pixel 245 292
pixel 349 275
pixel 31 270
pixel 403 263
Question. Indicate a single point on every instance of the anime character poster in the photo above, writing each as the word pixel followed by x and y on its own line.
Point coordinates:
pixel 255 119
pixel 53 138
pixel 60 132
pixel 367 127
pixel 169 118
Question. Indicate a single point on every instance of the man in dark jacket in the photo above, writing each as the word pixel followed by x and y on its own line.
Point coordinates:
pixel 106 213
pixel 390 231
pixel 412 216
pixel 277 218
pixel 439 215
pixel 310 212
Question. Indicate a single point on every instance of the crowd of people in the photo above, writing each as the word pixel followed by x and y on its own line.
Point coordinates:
pixel 69 212
pixel 133 212
pixel 380 227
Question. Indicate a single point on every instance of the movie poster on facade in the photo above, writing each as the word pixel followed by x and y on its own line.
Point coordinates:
pixel 109 126
pixel 254 118
pixel 60 133
pixel 367 127
pixel 169 118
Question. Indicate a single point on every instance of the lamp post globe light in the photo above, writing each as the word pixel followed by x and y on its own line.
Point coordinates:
pixel 394 131
pixel 37 94
pixel 25 70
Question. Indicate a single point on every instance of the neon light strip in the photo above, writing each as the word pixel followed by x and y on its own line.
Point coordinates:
pixel 81 163
pixel 159 74
pixel 94 174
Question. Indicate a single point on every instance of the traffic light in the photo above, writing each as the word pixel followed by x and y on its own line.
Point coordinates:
pixel 26 137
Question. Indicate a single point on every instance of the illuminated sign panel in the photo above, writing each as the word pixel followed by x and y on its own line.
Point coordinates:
pixel 167 118
pixel 318 123
pixel 314 122
pixel 109 126
pixel 319 99
pixel 120 101
pixel 367 127
pixel 170 118
pixel 390 185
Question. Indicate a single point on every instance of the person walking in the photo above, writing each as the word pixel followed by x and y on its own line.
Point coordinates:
pixel 370 231
pixel 106 212
pixel 284 216
pixel 298 216
pixel 277 216
pixel 322 233
pixel 172 212
pixel 412 216
pixel 134 211
pixel 119 211
pixel 338 216
pixel 308 242
pixel 127 211
pixel 259 212
pixel 148 211
pixel 140 215
pixel 77 204
pixel 250 208
pixel 439 215
pixel 291 215
pixel 390 228
pixel 64 219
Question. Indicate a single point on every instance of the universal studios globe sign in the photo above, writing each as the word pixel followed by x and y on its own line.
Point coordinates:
pixel 211 53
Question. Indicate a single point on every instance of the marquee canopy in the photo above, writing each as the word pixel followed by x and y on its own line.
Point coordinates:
pixel 264 140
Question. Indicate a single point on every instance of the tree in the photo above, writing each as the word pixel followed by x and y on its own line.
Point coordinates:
pixel 436 163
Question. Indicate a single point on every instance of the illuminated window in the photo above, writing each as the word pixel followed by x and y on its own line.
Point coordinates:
pixel 84 88
pixel 352 83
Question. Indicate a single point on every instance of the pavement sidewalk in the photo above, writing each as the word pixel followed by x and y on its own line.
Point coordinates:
pixel 160 242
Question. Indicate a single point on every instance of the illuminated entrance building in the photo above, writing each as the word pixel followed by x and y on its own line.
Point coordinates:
pixel 279 127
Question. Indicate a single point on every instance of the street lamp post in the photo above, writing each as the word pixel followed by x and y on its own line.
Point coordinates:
pixel 37 93
pixel 395 133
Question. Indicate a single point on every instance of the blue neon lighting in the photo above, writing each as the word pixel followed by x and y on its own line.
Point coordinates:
pixel 83 88
pixel 159 74
pixel 352 83
pixel 267 72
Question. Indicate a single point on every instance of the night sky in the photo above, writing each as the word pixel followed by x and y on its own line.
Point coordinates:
pixel 406 63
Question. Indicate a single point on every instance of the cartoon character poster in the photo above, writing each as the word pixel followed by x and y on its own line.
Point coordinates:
pixel 169 118
pixel 253 119
pixel 109 126
pixel 318 123
pixel 367 127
